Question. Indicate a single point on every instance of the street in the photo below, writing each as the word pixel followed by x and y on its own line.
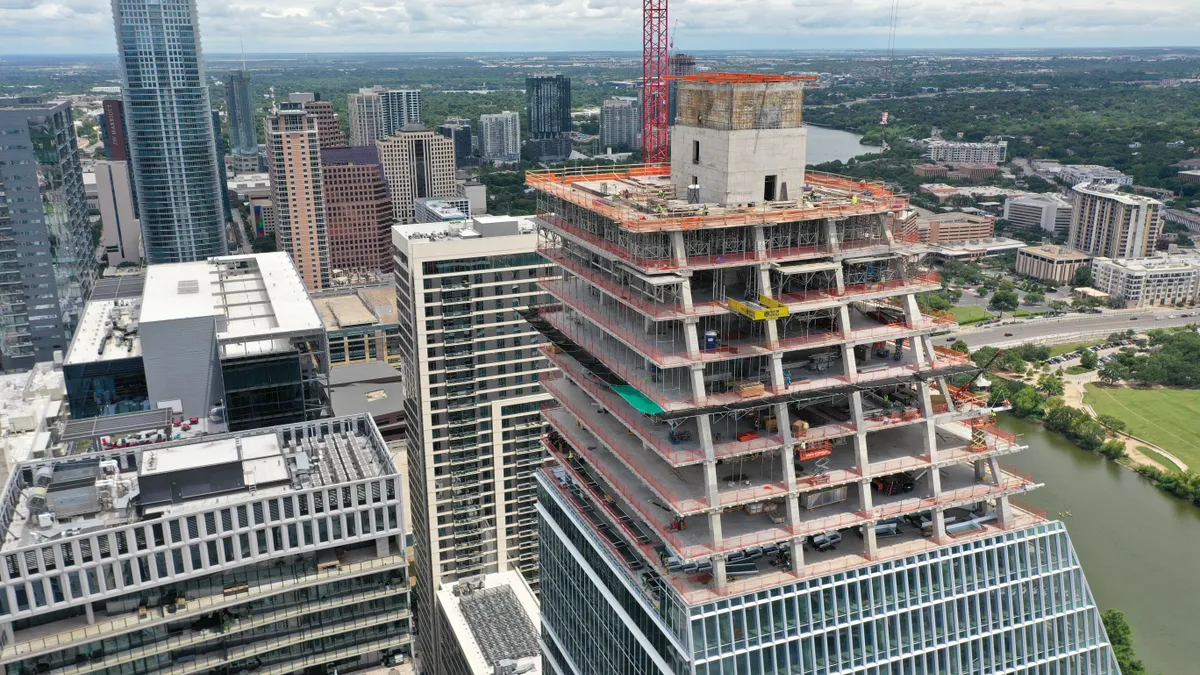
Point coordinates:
pixel 240 231
pixel 1070 327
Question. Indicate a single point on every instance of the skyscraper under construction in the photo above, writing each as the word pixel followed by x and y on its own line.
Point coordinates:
pixel 765 463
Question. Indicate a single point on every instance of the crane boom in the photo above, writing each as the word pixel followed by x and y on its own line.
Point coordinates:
pixel 655 60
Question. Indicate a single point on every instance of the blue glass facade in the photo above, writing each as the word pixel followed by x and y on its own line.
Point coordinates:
pixel 168 115
pixel 1016 602
pixel 243 136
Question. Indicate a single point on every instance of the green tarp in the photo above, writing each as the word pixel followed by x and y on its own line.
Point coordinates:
pixel 638 400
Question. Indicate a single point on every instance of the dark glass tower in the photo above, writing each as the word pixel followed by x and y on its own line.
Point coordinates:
pixel 243 137
pixel 168 116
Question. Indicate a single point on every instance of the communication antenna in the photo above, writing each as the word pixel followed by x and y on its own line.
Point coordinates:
pixel 243 45
pixel 891 55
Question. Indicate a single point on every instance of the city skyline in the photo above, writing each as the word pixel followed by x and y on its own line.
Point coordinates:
pixel 64 26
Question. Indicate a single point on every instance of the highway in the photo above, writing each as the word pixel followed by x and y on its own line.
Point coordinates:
pixel 1071 327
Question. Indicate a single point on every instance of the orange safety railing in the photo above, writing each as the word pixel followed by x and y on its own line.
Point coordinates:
pixel 899 464
pixel 947 356
pixel 902 417
pixel 1027 508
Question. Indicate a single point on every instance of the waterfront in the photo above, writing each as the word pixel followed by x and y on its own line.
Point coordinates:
pixel 826 145
pixel 1138 546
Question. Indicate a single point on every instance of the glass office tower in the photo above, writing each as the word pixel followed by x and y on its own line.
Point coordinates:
pixel 168 116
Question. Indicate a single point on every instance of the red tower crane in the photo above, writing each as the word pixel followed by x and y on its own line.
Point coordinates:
pixel 655 60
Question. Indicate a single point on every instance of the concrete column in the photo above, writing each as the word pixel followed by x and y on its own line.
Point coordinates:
pixel 679 249
pixel 797 554
pixel 939 525
pixel 994 464
pixel 685 293
pixel 764 280
pixel 926 344
pixel 381 547
pixel 698 392
pixel 850 362
pixel 91 613
pixel 866 500
pixel 871 543
pixel 930 430
pixel 1004 511
pixel 861 456
pixel 719 572
pixel 831 234
pixel 690 337
pixel 945 391
pixel 777 380
pixel 9 638
pixel 789 455
pixel 760 242
pixel 714 526
pixel 711 483
pixel 981 472
pixel 912 313
pixel 844 320
pixel 841 280
pixel 885 222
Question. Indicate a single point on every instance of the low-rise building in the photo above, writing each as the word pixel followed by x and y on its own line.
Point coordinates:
pixel 371 387
pixel 976 249
pixel 955 228
pixel 1189 219
pixel 1051 264
pixel 488 626
pixel 1148 282
pixel 1048 211
pixel 943 192
pixel 360 324
pixel 32 406
pixel 441 209
pixel 1189 176
pixel 247 186
pixel 967 153
pixel 1074 174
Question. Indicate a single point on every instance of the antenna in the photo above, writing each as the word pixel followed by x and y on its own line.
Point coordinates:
pixel 243 45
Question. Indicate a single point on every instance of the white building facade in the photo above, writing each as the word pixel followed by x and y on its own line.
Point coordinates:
pixel 1149 282
pixel 1111 224
pixel 500 137
pixel 474 376
pixel 620 122
pixel 956 152
pixel 1049 212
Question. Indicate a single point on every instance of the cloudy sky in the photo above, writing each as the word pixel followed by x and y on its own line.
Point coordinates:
pixel 296 26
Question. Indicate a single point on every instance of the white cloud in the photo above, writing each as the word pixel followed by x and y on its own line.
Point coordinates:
pixel 85 26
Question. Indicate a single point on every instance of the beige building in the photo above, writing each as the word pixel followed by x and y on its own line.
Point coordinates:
pixel 955 228
pixel 1111 224
pixel 417 163
pixel 121 233
pixel 1054 264
pixel 1048 211
pixel 1147 282
pixel 294 154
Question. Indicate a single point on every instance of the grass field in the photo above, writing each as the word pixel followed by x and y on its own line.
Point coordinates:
pixel 1077 370
pixel 1158 457
pixel 970 314
pixel 1168 418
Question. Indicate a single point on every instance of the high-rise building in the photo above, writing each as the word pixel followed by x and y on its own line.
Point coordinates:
pixel 548 103
pixel 16 345
pixel 239 107
pixel 328 128
pixel 168 117
pixel 366 118
pixel 500 137
pixel 120 233
pixel 294 151
pixel 417 163
pixel 473 373
pixel 112 131
pixel 280 549
pixel 1111 224
pixel 358 211
pixel 50 239
pixel 620 123
pixel 762 468
pixel 398 108
pixel 458 130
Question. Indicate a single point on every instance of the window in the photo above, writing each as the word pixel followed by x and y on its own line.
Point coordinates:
pixel 695 153
pixel 769 188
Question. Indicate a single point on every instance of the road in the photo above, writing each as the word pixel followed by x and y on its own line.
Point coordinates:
pixel 1066 328
pixel 240 230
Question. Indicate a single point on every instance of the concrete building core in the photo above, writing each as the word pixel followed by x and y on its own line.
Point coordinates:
pixel 739 139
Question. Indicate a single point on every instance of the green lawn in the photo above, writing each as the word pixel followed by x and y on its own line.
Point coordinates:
pixel 1077 370
pixel 970 314
pixel 1158 457
pixel 1168 418
pixel 1059 350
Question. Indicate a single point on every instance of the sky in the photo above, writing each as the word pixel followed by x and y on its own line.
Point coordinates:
pixel 311 26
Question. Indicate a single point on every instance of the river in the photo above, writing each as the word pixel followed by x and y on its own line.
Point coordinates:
pixel 826 145
pixel 1139 547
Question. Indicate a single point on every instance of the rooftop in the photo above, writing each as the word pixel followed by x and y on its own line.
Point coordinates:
pixel 1056 252
pixel 1111 192
pixel 107 331
pixel 357 307
pixel 641 198
pixel 253 298
pixel 373 398
pixel 476 228
pixel 494 618
pixel 28 401
pixel 1162 263
pixel 104 489
pixel 1042 198
pixel 977 245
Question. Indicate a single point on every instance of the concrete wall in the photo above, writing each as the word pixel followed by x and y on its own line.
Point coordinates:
pixel 733 165
pixel 122 233
pixel 181 363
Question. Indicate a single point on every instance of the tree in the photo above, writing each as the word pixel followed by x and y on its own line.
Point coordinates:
pixel 1004 301
pixel 263 244
pixel 1058 306
pixel 1035 298
pixel 1050 385
pixel 1026 402
pixel 1112 423
pixel 1113 449
pixel 1088 359
pixel 1083 276
pixel 1120 635
pixel 1113 372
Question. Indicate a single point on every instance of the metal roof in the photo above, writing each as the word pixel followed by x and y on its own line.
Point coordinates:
pixel 125 286
pixel 110 425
